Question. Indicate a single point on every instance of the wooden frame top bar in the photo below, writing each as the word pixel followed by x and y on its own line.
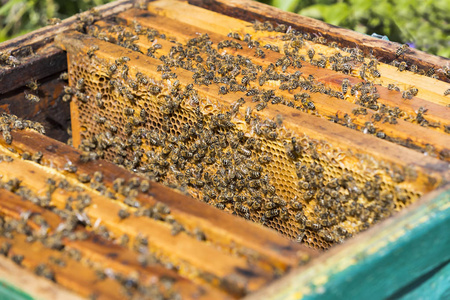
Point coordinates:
pixel 384 50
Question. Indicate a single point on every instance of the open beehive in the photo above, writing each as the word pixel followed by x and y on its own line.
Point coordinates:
pixel 266 120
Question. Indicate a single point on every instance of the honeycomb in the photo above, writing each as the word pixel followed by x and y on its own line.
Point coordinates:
pixel 181 113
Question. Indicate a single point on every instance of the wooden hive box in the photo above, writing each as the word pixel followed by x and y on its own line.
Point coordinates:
pixel 221 149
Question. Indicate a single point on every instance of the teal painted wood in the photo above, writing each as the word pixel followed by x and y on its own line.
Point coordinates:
pixel 380 275
pixel 379 263
pixel 8 292
pixel 437 286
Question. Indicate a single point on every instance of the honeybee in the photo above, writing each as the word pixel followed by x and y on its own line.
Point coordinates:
pixel 53 21
pixel 407 95
pixel 122 60
pixel 345 84
pixel 359 111
pixel 69 167
pixel 128 111
pixel 259 53
pixel 414 91
pixel 322 63
pixel 402 49
pixel 8 59
pixel 430 72
pixel 36 157
pixel 98 100
pixel 311 53
pixel 92 50
pixel 414 68
pixel 33 85
pixel 223 90
pixel 447 92
pixel 17 258
pixel 261 105
pixel 64 76
pixel 112 69
pixel 98 176
pixel 300 237
pixel 392 87
pixel 84 178
pixel 123 214
pixel 99 119
pixel 32 98
pixel 402 66
pixel 375 73
pixel 310 105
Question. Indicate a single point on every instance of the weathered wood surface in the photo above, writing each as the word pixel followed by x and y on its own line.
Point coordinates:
pixel 384 50
pixel 307 282
pixel 73 276
pixel 189 253
pixel 37 54
pixel 50 111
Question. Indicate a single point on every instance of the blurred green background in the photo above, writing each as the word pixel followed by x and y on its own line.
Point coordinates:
pixel 424 24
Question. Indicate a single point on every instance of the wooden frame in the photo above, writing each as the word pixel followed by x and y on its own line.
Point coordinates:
pixel 404 250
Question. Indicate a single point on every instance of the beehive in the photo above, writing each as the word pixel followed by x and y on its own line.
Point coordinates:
pixel 238 115
pixel 265 116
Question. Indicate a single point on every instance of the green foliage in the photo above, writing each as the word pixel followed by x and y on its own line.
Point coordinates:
pixel 425 23
pixel 18 17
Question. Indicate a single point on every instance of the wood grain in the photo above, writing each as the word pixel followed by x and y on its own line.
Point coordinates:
pixel 237 238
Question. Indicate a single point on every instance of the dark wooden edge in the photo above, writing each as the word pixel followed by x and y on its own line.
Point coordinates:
pixel 379 262
pixel 384 51
pixel 51 111
pixel 35 50
pixel 45 63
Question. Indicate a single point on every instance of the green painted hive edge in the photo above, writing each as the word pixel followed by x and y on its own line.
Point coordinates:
pixel 382 262
pixel 9 292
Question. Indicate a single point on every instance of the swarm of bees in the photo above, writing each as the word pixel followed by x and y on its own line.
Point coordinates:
pixel 11 122
pixel 226 156
pixel 210 156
